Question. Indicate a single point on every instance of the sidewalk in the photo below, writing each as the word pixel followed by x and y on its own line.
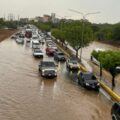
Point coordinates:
pixel 107 78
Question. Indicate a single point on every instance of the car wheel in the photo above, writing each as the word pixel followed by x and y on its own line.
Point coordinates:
pixel 41 74
pixel 78 81
pixel 113 117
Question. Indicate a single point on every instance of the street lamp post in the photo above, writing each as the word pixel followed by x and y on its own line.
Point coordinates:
pixel 83 27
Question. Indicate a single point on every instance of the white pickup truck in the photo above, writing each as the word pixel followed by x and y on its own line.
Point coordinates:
pixel 38 53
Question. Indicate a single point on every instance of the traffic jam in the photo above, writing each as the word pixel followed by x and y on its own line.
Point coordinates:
pixel 51 58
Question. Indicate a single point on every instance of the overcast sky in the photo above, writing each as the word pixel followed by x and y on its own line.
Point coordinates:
pixel 110 9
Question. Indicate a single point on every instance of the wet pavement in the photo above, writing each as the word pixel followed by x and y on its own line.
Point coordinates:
pixel 24 95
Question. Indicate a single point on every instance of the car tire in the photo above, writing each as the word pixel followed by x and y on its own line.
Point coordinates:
pixel 113 117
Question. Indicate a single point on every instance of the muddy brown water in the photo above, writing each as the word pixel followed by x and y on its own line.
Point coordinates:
pixel 88 50
pixel 24 95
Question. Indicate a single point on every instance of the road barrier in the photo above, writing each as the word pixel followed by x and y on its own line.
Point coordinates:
pixel 105 87
pixel 110 92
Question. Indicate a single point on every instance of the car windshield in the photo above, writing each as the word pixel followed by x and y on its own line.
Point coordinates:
pixel 35 37
pixel 21 36
pixel 89 77
pixel 60 54
pixel 48 64
pixel 37 50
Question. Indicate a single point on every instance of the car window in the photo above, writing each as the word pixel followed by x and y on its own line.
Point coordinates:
pixel 74 61
pixel 38 50
pixel 115 106
pixel 60 53
pixel 88 77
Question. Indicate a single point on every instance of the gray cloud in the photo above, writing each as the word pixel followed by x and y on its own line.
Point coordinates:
pixel 29 8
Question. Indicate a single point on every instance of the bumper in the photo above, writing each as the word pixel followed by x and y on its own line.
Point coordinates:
pixel 92 87
pixel 49 75
pixel 37 55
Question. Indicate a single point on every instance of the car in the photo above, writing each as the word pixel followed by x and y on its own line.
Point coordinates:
pixel 20 40
pixel 48 69
pixel 35 44
pixel 52 45
pixel 35 37
pixel 115 111
pixel 72 63
pixel 38 53
pixel 88 80
pixel 50 51
pixel 59 56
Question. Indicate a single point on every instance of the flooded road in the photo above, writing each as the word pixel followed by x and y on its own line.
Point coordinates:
pixel 24 95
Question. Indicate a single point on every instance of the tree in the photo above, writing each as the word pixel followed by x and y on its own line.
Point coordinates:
pixel 72 33
pixel 116 33
pixel 109 60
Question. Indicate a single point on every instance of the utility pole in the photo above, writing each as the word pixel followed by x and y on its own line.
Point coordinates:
pixel 83 27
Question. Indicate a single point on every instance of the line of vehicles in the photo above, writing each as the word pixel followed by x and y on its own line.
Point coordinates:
pixel 48 68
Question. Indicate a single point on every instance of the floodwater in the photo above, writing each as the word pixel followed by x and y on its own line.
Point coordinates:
pixel 88 50
pixel 24 95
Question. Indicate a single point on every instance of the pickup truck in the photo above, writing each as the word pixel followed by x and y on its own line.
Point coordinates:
pixel 48 69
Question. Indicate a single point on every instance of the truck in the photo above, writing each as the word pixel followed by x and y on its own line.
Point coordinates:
pixel 28 33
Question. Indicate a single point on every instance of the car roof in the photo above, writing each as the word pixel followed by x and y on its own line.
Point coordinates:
pixel 73 58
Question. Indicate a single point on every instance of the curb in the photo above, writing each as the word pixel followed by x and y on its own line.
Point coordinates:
pixel 110 92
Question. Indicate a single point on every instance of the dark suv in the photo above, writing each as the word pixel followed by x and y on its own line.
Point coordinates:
pixel 88 80
pixel 59 56
pixel 115 111
pixel 48 69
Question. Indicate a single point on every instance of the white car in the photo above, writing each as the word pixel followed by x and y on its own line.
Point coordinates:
pixel 35 37
pixel 20 40
pixel 35 44
pixel 38 53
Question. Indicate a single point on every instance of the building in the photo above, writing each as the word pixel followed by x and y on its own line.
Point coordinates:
pixel 24 20
pixel 38 19
pixel 53 19
pixel 46 18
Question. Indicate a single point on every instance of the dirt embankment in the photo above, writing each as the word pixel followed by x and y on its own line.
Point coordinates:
pixel 5 34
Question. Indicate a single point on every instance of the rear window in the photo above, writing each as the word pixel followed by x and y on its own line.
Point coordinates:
pixel 89 77
pixel 60 54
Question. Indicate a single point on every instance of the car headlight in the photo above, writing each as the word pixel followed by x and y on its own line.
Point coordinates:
pixel 43 71
pixel 98 84
pixel 56 71
pixel 87 84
